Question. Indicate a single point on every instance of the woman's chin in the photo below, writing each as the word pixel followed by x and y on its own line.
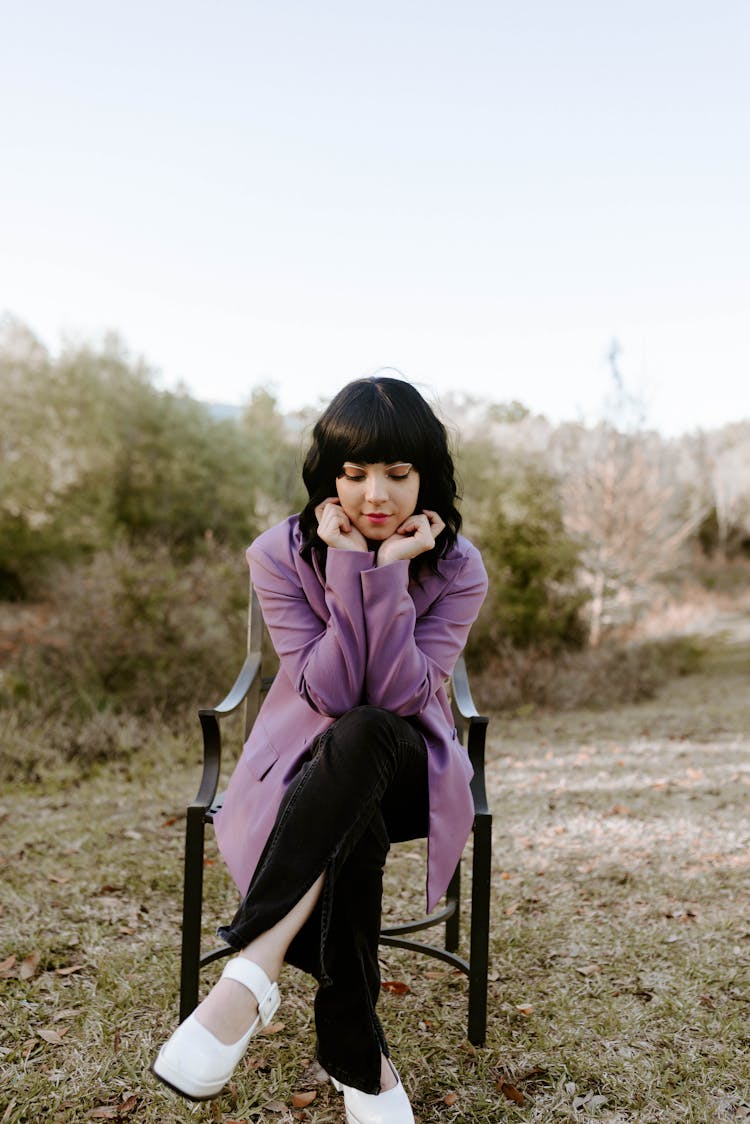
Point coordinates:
pixel 374 532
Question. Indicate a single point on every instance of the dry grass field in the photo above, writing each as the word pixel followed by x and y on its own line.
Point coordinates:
pixel 620 981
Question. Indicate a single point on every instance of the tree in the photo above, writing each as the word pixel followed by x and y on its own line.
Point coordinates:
pixel 627 516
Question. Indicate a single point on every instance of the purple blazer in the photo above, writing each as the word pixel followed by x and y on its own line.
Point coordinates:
pixel 359 634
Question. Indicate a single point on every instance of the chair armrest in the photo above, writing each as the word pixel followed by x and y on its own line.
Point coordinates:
pixel 239 690
pixel 467 712
pixel 209 720
pixel 462 691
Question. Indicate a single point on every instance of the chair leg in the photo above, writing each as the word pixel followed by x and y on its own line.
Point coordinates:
pixel 480 929
pixel 453 923
pixel 192 910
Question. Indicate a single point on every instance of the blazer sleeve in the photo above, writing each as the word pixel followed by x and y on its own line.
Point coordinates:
pixel 325 661
pixel 409 659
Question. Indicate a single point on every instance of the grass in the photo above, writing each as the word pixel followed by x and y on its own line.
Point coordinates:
pixel 620 986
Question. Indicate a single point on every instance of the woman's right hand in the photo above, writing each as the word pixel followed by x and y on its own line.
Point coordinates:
pixel 335 528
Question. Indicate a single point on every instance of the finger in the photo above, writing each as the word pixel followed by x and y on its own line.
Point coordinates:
pixel 435 522
pixel 417 526
pixel 410 525
pixel 320 509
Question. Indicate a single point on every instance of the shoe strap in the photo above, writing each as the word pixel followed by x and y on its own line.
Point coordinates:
pixel 252 976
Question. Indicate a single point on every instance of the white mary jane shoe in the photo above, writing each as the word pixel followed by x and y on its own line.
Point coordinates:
pixel 193 1061
pixel 390 1107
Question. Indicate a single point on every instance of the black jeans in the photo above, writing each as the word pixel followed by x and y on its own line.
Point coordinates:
pixel 364 788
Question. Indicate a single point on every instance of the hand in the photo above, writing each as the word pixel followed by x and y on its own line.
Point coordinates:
pixel 335 528
pixel 416 535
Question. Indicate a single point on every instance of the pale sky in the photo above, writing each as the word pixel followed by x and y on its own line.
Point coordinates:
pixel 480 194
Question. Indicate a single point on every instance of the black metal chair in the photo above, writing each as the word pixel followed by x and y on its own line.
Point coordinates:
pixel 249 688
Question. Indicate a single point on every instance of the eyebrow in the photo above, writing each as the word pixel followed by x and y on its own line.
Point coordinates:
pixel 388 464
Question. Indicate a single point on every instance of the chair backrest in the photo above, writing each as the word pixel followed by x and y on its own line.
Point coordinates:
pixel 256 630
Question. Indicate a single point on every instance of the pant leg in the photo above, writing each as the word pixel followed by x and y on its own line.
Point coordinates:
pixel 350 1038
pixel 331 820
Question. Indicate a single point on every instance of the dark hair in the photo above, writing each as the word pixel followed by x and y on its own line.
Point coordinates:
pixel 375 420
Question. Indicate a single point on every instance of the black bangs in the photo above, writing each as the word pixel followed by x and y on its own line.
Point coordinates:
pixel 373 432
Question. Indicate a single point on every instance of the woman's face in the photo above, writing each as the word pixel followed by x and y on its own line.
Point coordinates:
pixel 377 498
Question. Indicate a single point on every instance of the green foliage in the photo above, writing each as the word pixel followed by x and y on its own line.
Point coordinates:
pixel 92 451
pixel 179 475
pixel 276 458
pixel 533 597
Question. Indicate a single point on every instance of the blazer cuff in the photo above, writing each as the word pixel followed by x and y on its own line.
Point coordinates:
pixel 386 582
pixel 343 567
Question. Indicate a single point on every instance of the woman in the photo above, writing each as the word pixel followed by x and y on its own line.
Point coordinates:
pixel 368 595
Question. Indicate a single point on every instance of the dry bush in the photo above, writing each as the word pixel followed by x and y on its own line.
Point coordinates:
pixel 135 632
pixel 36 747
pixel 602 677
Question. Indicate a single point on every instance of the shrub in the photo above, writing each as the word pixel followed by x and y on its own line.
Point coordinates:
pixel 595 677
pixel 136 632
pixel 533 599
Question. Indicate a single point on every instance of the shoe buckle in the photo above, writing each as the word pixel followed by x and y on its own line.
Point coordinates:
pixel 269 1004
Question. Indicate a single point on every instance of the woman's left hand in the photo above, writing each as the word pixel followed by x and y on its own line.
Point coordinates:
pixel 416 535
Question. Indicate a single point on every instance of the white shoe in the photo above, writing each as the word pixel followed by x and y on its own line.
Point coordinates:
pixel 390 1107
pixel 193 1061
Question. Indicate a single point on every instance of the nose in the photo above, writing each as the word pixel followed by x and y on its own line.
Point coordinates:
pixel 376 490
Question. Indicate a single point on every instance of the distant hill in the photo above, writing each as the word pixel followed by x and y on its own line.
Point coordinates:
pixel 223 411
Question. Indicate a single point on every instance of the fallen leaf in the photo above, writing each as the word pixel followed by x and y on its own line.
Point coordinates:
pixel 67 1013
pixel 105 1112
pixel 30 966
pixel 273 1028
pixel 302 1100
pixel 168 823
pixel 511 1092
pixel 6 966
pixel 54 1037
pixel 128 1105
pixel 450 1099
pixel 525 1008
pixel 589 1100
pixel 69 970
pixel 62 878
pixel 588 970
pixel 434 975
pixel 274 1106
pixel 396 986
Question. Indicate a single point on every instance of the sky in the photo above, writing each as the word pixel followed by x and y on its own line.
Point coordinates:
pixel 481 195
